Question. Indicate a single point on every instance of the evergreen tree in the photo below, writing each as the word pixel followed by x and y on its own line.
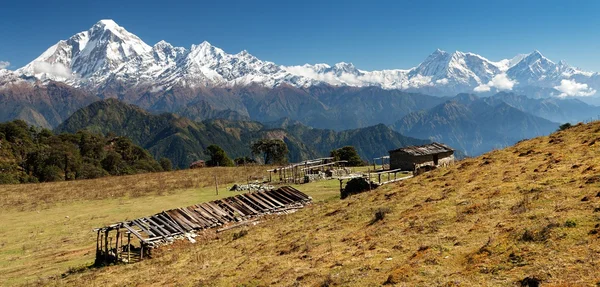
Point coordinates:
pixel 274 151
pixel 349 154
pixel 218 157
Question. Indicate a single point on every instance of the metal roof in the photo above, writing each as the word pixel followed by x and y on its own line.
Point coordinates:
pixel 432 148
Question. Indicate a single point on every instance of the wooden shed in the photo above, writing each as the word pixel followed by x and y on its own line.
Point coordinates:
pixel 117 242
pixel 414 157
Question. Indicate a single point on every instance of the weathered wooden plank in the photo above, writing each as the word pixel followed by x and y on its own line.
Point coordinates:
pixel 141 226
pixel 132 231
pixel 158 227
pixel 241 200
pixel 259 201
pixel 241 214
pixel 164 218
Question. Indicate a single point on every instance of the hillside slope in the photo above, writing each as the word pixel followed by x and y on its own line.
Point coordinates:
pixel 474 125
pixel 184 141
pixel 530 210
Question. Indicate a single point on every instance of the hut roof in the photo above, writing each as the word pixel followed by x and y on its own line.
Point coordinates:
pixel 159 228
pixel 432 148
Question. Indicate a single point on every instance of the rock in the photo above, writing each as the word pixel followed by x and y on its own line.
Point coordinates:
pixel 530 282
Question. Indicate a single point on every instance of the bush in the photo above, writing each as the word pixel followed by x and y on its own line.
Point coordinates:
pixel 240 234
pixel 570 223
pixel 7 178
pixel 355 186
pixel 88 171
pixel 564 126
pixel 380 214
pixel 52 173
pixel 166 164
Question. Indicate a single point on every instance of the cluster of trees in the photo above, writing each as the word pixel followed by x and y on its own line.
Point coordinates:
pixel 272 151
pixel 30 154
pixel 349 154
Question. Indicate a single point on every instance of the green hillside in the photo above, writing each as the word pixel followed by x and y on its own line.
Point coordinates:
pixel 184 141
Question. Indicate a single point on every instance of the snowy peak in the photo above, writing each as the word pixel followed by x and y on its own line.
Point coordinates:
pixel 99 51
pixel 108 53
pixel 534 68
pixel 457 69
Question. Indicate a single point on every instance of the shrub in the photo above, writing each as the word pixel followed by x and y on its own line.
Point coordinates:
pixel 380 214
pixel 52 173
pixel 564 126
pixel 570 223
pixel 355 186
pixel 240 234
pixel 166 164
pixel 88 171
pixel 7 178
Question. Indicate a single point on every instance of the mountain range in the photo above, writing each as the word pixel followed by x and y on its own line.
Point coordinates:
pixel 184 141
pixel 107 56
pixel 475 125
pixel 498 103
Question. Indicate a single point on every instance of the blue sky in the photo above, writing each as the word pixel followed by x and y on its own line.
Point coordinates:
pixel 370 34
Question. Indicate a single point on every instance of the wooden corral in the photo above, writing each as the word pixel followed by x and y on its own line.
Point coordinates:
pixel 115 243
pixel 384 160
pixel 414 157
pixel 298 172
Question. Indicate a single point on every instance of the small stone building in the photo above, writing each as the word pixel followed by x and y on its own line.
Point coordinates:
pixel 197 164
pixel 414 157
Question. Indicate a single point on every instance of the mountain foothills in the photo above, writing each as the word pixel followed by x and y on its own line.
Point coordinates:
pixel 30 154
pixel 475 125
pixel 183 140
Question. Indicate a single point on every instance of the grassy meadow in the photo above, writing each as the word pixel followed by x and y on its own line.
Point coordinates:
pixel 47 228
pixel 527 212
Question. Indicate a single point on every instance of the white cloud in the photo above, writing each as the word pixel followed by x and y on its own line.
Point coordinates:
pixel 572 88
pixel 500 82
pixel 419 81
pixel 56 69
pixel 443 81
pixel 4 64
pixel 482 88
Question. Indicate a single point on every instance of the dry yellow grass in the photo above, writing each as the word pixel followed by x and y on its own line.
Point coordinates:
pixel 40 196
pixel 532 210
pixel 47 228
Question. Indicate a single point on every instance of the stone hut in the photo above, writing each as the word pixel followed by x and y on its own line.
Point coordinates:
pixel 414 157
pixel 197 164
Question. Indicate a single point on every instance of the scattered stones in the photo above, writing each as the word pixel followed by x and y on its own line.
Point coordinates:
pixel 315 177
pixel 252 187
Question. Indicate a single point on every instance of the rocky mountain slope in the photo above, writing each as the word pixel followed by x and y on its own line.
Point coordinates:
pixel 474 125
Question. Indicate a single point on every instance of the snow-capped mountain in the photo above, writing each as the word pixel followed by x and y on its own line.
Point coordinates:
pixel 107 53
